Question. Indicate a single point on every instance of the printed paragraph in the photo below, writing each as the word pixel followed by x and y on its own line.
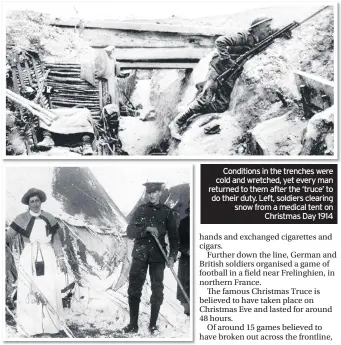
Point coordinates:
pixel 240 289
pixel 256 194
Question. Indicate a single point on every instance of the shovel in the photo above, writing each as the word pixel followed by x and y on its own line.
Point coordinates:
pixel 171 268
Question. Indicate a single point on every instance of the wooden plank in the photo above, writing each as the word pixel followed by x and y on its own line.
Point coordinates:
pixel 20 74
pixel 319 87
pixel 147 39
pixel 72 104
pixel 75 82
pixel 150 27
pixel 157 65
pixel 145 54
pixel 71 88
pixel 314 77
pixel 65 80
pixel 127 46
pixel 63 65
pixel 13 61
pixel 28 71
pixel 64 70
pixel 77 95
pixel 87 93
pixel 100 90
pixel 58 73
pixel 77 101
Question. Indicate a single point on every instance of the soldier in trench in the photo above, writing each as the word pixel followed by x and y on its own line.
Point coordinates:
pixel 215 98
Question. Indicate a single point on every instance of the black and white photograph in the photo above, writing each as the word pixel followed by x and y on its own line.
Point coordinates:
pixel 170 79
pixel 100 252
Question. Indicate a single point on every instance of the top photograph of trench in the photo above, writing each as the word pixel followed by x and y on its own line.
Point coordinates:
pixel 182 80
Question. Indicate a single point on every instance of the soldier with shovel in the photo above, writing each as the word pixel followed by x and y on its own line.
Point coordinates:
pixel 151 221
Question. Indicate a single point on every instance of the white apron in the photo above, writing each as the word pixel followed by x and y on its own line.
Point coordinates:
pixel 33 315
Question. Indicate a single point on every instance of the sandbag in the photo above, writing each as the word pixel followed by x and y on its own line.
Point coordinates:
pixel 97 65
pixel 71 121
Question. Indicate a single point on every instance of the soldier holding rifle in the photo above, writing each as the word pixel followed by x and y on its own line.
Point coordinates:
pixel 232 52
pixel 149 220
pixel 215 97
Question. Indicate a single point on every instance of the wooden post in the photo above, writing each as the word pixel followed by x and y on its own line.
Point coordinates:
pixel 20 74
pixel 28 72
pixel 100 93
pixel 112 80
pixel 14 59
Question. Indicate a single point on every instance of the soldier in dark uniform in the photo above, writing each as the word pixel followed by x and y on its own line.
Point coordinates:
pixel 150 219
pixel 215 98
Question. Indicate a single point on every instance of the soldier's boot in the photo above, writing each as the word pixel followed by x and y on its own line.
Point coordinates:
pixel 47 143
pixel 176 125
pixel 154 314
pixel 87 148
pixel 134 317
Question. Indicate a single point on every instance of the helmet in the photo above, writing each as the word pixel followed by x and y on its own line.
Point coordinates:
pixel 259 20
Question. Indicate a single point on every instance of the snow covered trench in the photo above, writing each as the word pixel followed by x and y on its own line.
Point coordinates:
pixel 158 92
pixel 257 121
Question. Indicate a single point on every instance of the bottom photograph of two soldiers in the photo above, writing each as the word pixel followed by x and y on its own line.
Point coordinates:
pixel 100 252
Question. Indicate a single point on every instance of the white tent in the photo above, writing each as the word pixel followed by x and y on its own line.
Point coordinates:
pixel 95 249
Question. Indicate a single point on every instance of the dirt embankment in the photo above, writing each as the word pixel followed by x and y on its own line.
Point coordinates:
pixel 254 100
pixel 30 31
pixel 159 92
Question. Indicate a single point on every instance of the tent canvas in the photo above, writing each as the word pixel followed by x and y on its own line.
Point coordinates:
pixel 95 248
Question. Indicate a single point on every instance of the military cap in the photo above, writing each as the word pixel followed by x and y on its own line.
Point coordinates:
pixel 31 192
pixel 259 20
pixel 153 186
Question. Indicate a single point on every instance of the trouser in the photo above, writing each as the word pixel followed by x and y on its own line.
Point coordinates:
pixel 214 98
pixel 137 277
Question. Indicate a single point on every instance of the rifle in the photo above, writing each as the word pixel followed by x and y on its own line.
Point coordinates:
pixel 240 62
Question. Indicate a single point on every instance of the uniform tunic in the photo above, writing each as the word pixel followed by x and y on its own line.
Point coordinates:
pixel 146 251
pixel 214 97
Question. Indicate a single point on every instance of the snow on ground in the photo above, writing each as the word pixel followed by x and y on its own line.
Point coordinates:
pixel 56 152
pixel 97 310
pixel 27 30
pixel 161 90
pixel 137 136
pixel 285 131
pixel 254 99
pixel 195 142
pixel 310 49
pixel 141 96
pixel 109 313
pixel 101 314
